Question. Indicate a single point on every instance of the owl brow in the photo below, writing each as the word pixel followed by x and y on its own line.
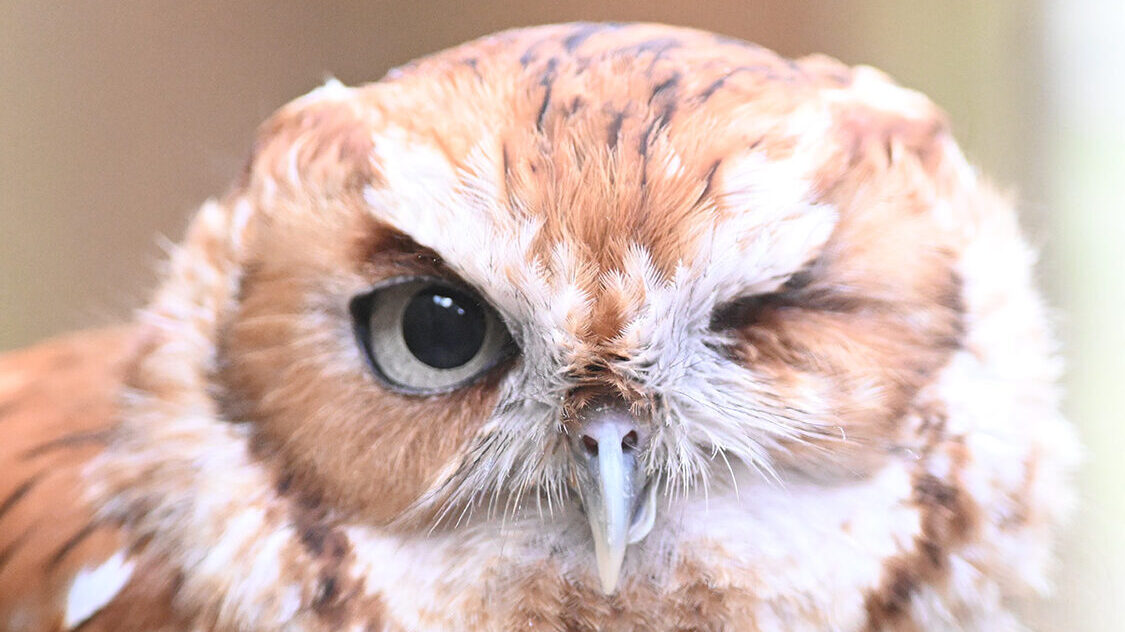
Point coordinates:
pixel 388 247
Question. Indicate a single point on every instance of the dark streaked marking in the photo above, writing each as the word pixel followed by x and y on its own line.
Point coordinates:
pixel 70 543
pixel 318 538
pixel 531 55
pixel 707 92
pixel 667 86
pixel 899 591
pixel 7 552
pixel 327 592
pixel 948 519
pixel 328 548
pixel 613 132
pixel 709 181
pixel 582 33
pixel 313 537
pixel 947 511
pixel 577 103
pixel 657 125
pixel 67 441
pixel 795 67
pixel 651 132
pixel 473 64
pixel 717 84
pixel 18 493
pixel 546 81
pixel 664 117
pixel 284 484
pixel 953 299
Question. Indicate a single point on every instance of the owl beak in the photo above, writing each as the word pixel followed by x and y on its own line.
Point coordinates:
pixel 620 504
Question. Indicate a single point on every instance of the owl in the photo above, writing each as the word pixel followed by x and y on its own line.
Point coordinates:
pixel 576 327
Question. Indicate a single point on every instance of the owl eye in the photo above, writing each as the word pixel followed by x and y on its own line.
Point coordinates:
pixel 741 312
pixel 426 335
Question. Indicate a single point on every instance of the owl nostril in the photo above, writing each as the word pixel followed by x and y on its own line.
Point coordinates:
pixel 629 441
pixel 591 445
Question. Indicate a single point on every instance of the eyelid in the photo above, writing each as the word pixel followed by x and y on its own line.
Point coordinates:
pixel 741 311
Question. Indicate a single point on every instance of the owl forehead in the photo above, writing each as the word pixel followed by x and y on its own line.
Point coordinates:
pixel 575 170
pixel 602 165
pixel 590 251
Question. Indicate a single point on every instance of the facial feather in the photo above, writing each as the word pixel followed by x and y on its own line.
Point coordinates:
pixel 781 269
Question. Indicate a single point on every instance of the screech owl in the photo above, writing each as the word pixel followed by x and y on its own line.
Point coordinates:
pixel 577 327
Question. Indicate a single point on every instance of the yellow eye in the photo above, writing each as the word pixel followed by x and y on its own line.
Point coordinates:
pixel 425 335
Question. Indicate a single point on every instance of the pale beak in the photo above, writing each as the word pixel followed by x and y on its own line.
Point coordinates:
pixel 619 502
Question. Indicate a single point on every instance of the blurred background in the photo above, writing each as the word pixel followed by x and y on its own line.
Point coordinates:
pixel 117 119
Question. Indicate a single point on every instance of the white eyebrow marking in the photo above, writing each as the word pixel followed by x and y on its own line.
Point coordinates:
pixel 92 589
pixel 776 227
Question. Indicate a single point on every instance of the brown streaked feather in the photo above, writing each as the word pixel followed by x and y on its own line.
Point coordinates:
pixel 273 385
pixel 57 403
pixel 263 478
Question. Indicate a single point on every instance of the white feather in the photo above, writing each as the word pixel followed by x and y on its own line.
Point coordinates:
pixel 93 588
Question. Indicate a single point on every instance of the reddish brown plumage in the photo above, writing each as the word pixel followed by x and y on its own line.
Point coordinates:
pixel 236 449
pixel 58 404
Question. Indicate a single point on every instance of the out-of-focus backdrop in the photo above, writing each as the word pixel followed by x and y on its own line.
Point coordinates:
pixel 117 119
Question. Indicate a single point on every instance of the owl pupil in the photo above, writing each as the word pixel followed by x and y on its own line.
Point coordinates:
pixel 443 327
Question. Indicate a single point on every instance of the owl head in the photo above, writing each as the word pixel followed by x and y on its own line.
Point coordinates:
pixel 580 281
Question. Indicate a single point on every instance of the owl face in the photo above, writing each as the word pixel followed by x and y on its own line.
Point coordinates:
pixel 461 285
pixel 636 316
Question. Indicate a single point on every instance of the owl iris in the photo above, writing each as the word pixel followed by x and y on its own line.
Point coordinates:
pixel 442 327
pixel 425 335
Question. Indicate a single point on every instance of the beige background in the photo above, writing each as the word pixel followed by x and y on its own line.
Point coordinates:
pixel 117 119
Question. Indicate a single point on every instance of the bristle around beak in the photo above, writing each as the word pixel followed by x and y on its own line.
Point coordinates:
pixel 619 501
